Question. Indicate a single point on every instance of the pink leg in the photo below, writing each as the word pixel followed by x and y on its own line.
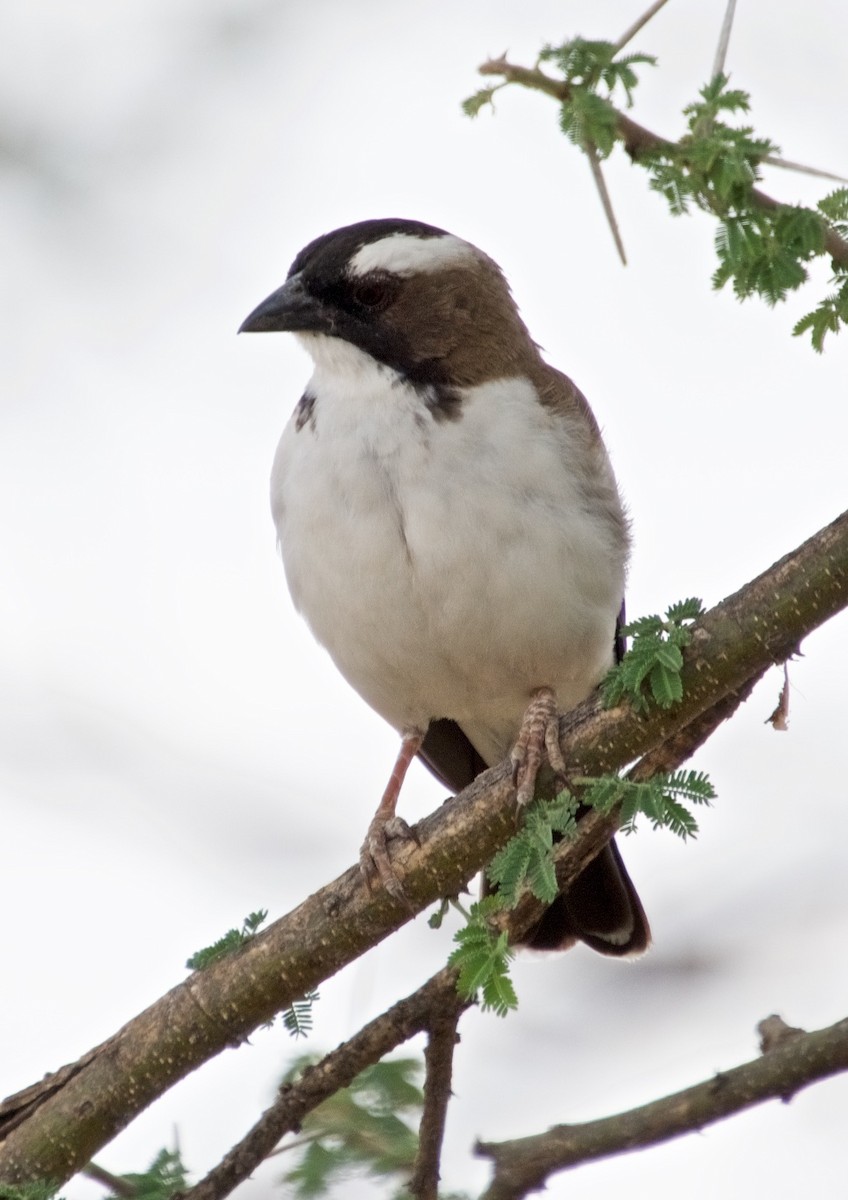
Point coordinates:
pixel 538 738
pixel 385 826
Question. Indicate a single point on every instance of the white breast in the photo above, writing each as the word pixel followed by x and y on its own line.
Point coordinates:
pixel 448 566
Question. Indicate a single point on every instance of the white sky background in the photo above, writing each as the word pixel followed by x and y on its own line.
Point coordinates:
pixel 164 714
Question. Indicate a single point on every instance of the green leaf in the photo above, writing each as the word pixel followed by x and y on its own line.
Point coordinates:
pixel 762 250
pixel 588 65
pixel 693 786
pixel 689 609
pixel 654 658
pixel 165 1177
pixel 508 869
pixel 482 957
pixel 359 1130
pixel 36 1190
pixel 498 991
pixel 662 799
pixel 835 208
pixel 230 943
pixel 525 861
pixel 671 814
pixel 473 105
pixel 541 879
pixel 297 1019
pixel 589 120
pixel 666 685
pixel 829 317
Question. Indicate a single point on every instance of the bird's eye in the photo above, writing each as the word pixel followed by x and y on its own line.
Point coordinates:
pixel 373 293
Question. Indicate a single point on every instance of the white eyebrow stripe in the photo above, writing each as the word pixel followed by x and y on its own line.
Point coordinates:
pixel 406 253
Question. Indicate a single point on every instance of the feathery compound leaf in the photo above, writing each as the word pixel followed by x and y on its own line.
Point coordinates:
pixel 654 658
pixel 668 813
pixel 587 119
pixel 763 252
pixel 525 861
pixel 165 1177
pixel 685 610
pixel 834 208
pixel 482 957
pixel 38 1189
pixel 561 813
pixel 541 878
pixel 643 625
pixel 662 799
pixel 297 1019
pixel 588 64
pixel 498 990
pixel 630 809
pixel 829 316
pixel 716 98
pixel 358 1131
pixel 508 869
pixel 693 786
pixel 473 105
pixel 232 941
pixel 666 684
pixel 606 791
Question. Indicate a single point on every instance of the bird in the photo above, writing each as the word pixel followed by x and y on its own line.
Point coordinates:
pixel 450 527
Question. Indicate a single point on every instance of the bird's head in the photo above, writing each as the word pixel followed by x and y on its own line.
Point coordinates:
pixel 416 299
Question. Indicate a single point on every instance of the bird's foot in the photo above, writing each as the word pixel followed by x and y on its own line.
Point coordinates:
pixel 375 859
pixel 537 739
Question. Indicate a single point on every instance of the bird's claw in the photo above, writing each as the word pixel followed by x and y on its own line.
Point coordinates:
pixel 374 857
pixel 538 739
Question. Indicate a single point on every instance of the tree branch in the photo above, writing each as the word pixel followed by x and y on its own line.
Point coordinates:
pixel 434 1004
pixel 638 141
pixel 336 1070
pixel 438 1065
pixel 591 152
pixel 55 1127
pixel 427 1007
pixel 525 1164
pixel 724 39
pixel 638 24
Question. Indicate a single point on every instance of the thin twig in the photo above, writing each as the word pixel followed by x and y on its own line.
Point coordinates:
pixel 438 1065
pixel 785 164
pixel 606 202
pixel 724 39
pixel 116 1185
pixel 525 1164
pixel 630 33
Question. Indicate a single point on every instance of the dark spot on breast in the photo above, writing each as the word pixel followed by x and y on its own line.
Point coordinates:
pixel 305 412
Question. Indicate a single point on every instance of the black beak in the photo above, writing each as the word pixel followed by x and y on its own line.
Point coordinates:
pixel 289 308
